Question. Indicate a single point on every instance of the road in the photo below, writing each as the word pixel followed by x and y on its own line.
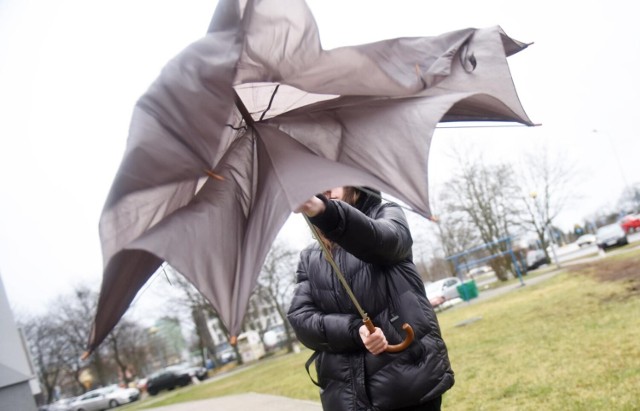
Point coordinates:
pixel 572 251
pixel 570 256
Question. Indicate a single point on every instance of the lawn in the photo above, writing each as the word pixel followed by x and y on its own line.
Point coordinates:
pixel 568 343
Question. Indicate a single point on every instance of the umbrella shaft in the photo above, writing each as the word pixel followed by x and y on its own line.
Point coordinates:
pixel 336 269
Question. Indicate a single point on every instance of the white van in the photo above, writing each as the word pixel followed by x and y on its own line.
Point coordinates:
pixel 250 346
pixel 275 337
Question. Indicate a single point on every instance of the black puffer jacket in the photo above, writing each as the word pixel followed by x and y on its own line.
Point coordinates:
pixel 374 253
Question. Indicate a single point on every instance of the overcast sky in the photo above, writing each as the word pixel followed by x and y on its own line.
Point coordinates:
pixel 72 70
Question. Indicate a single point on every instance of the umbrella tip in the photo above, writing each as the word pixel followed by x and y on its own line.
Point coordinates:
pixel 233 340
pixel 434 219
pixel 211 174
pixel 85 355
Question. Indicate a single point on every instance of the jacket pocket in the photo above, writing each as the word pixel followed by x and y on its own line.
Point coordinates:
pixel 411 377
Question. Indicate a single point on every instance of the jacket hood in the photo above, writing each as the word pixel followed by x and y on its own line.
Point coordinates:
pixel 368 198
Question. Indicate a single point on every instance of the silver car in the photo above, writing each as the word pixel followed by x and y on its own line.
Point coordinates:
pixel 586 240
pixel 446 289
pixel 95 400
pixel 611 235
pixel 119 395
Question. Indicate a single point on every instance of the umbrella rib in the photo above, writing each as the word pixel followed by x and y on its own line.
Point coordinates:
pixel 243 110
pixel 247 117
pixel 251 123
pixel 273 95
pixel 488 126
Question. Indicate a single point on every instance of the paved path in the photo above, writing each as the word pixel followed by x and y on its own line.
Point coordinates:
pixel 527 280
pixel 487 294
pixel 245 402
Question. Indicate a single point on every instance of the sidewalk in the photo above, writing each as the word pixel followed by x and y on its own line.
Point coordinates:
pixel 245 402
pixel 489 293
pixel 527 280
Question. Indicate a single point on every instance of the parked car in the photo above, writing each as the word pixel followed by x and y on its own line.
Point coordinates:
pixel 536 258
pixel 477 271
pixel 586 240
pixel 63 404
pixel 630 223
pixel 442 290
pixel 611 235
pixel 250 346
pixel 199 372
pixel 141 384
pixel 275 337
pixel 119 395
pixel 95 400
pixel 225 353
pixel 167 379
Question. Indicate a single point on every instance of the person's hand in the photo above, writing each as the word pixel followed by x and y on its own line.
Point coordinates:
pixel 375 342
pixel 312 207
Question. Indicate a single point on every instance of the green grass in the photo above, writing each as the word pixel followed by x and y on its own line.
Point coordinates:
pixel 568 343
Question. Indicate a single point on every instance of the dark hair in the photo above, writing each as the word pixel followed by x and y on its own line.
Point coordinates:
pixel 350 195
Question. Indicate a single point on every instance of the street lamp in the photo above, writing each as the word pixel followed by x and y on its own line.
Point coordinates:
pixel 534 196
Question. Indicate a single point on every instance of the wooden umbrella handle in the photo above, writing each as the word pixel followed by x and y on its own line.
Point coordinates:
pixel 396 347
pixel 404 344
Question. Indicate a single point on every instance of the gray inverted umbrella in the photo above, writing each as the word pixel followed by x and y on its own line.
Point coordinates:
pixel 207 190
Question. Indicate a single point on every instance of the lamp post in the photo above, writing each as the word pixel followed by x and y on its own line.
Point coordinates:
pixel 552 244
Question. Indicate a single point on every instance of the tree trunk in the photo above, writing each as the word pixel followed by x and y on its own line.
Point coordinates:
pixel 206 341
pixel 99 367
pixel 121 365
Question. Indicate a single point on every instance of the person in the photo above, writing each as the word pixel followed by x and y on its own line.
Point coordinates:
pixel 371 244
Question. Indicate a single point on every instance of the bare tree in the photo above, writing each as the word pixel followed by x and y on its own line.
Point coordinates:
pixel 276 282
pixel 128 348
pixel 486 195
pixel 456 235
pixel 75 314
pixel 629 201
pixel 546 190
pixel 47 343
pixel 58 340
pixel 424 240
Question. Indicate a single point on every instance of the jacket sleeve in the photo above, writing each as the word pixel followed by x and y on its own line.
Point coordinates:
pixel 383 239
pixel 318 330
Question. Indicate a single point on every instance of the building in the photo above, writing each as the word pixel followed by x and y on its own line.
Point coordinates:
pixel 18 381
pixel 260 317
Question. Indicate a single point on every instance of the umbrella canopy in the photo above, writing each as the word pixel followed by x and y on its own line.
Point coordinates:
pixel 253 119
